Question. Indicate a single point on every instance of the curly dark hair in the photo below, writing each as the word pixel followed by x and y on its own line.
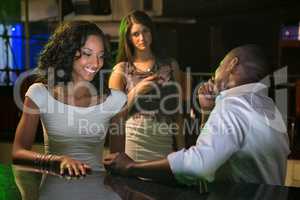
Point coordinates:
pixel 58 55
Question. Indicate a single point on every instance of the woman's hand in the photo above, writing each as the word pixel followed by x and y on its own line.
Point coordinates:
pixel 73 167
pixel 145 85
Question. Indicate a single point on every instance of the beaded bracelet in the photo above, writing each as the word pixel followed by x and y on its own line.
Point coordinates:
pixel 44 161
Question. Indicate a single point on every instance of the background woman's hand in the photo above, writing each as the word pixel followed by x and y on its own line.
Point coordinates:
pixel 73 167
pixel 145 85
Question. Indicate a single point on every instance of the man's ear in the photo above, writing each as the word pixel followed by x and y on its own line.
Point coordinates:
pixel 233 63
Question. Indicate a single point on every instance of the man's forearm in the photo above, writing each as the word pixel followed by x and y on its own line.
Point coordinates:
pixel 158 170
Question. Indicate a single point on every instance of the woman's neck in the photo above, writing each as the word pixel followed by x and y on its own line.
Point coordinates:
pixel 81 94
pixel 77 90
pixel 143 56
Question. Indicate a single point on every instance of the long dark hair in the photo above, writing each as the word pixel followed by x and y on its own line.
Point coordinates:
pixel 58 55
pixel 126 49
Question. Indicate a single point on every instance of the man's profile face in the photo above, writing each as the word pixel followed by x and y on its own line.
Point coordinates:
pixel 222 73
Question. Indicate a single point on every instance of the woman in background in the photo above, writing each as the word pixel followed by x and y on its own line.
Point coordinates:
pixel 151 82
pixel 74 106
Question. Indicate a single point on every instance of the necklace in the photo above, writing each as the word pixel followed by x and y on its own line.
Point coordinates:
pixel 146 70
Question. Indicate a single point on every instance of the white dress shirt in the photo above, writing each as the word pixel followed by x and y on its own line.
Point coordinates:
pixel 243 140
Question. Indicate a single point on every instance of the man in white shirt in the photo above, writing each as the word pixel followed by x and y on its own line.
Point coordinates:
pixel 243 138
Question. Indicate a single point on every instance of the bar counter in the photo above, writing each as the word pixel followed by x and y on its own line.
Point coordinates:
pixel 136 189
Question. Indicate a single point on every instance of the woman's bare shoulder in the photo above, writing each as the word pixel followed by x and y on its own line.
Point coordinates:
pixel 120 67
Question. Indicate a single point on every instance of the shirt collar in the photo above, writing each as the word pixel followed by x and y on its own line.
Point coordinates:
pixel 243 89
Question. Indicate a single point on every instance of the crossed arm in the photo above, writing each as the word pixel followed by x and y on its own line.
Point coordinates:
pixel 117 81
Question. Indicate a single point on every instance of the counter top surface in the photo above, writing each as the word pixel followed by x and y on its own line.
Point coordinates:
pixel 137 189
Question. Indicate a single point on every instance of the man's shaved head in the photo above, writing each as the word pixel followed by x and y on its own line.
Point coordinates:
pixel 254 63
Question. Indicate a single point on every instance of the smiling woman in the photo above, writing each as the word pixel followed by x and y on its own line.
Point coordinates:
pixel 89 60
pixel 67 94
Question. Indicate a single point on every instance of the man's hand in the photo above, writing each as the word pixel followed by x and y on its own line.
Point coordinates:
pixel 206 96
pixel 118 163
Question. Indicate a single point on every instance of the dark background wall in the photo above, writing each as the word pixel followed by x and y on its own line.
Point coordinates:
pixel 216 27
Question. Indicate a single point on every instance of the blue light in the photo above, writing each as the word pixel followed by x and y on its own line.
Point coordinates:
pixel 17 46
pixel 37 42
